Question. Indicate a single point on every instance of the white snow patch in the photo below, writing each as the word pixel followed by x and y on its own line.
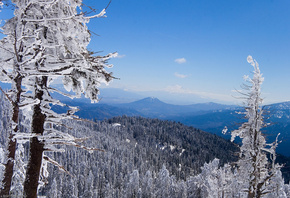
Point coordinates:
pixel 163 147
pixel 127 140
pixel 172 147
pixel 279 114
pixel 181 152
pixel 225 130
pixel 116 125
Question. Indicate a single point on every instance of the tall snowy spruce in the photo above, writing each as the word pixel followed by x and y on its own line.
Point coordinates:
pixel 256 176
pixel 47 40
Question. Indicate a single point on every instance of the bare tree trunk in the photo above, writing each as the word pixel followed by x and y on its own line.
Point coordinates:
pixel 251 195
pixel 12 143
pixel 36 147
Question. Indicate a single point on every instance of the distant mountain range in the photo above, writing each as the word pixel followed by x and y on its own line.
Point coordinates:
pixel 153 107
pixel 147 107
pixel 210 117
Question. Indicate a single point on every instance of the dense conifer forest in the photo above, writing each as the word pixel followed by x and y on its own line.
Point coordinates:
pixel 135 147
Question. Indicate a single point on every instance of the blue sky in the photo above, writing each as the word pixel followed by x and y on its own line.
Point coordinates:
pixel 188 51
pixel 213 38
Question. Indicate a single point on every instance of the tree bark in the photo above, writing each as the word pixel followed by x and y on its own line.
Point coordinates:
pixel 12 142
pixel 36 147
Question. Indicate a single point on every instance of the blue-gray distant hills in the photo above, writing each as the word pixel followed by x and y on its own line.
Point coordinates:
pixel 147 107
pixel 210 117
pixel 153 107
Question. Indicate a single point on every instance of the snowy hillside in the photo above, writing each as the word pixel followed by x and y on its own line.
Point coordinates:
pixel 134 147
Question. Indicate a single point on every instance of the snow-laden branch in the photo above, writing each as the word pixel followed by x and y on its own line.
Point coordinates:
pixel 24 137
pixel 99 15
pixel 62 93
pixel 76 16
pixel 28 102
pixel 60 167
pixel 6 95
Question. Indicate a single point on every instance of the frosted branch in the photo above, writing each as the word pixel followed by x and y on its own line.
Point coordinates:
pixel 60 167
pixel 6 95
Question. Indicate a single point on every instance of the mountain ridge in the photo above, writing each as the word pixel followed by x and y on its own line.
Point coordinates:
pixel 153 107
pixel 211 117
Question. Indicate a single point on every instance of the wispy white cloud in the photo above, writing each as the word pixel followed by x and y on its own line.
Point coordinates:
pixel 180 60
pixel 120 56
pixel 177 89
pixel 180 75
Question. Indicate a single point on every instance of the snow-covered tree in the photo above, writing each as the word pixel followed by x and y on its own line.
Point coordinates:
pixel 12 56
pixel 53 192
pixel 89 185
pixel 47 40
pixel 163 183
pixel 133 188
pixel 256 175
pixel 147 184
pixel 287 190
pixel 213 181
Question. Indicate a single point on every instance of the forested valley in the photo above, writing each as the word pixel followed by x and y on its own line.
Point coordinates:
pixel 138 156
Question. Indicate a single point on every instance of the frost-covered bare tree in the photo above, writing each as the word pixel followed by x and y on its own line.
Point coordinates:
pixel 256 176
pixel 47 40
pixel 11 59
